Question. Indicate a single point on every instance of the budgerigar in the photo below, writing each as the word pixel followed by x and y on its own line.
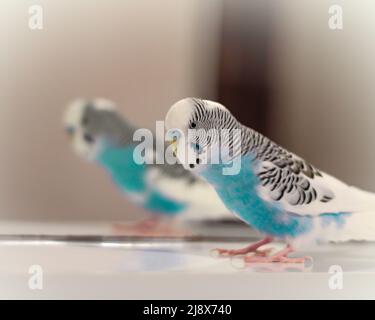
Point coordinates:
pixel 99 133
pixel 275 191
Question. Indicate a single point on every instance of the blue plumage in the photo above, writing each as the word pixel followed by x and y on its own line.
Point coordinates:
pixel 239 193
pixel 131 178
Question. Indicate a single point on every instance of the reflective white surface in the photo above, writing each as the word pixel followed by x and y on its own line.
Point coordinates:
pixel 177 270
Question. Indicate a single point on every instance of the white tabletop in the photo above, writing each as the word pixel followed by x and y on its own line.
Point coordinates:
pixel 110 267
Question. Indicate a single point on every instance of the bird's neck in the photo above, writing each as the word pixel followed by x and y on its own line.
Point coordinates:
pixel 223 175
pixel 247 143
pixel 261 147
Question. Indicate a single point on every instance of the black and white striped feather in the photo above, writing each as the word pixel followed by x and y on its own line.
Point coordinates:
pixel 284 178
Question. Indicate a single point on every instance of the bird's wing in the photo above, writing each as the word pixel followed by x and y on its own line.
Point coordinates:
pixel 301 189
pixel 176 183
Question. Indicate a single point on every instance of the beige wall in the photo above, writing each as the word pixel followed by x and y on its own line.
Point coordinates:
pixel 144 55
pixel 147 54
pixel 325 80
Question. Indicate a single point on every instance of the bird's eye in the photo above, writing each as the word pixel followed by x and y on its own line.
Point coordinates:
pixel 70 130
pixel 88 138
pixel 197 161
pixel 193 125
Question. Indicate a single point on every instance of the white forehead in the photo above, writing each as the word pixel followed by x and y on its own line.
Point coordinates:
pixel 76 108
pixel 74 112
pixel 103 104
pixel 181 112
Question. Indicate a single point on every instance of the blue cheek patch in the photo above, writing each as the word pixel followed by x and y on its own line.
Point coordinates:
pixel 196 147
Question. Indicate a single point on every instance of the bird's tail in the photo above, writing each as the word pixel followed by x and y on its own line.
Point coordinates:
pixel 358 226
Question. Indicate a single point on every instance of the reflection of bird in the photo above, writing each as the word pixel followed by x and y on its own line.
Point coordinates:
pixel 275 191
pixel 100 134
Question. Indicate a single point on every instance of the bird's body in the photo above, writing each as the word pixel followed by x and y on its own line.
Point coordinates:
pixel 244 195
pixel 278 193
pixel 131 178
pixel 101 135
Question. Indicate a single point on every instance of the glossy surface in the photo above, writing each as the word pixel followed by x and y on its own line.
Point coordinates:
pixel 176 268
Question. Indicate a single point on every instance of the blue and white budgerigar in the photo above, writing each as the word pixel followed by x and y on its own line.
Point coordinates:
pixel 275 191
pixel 100 134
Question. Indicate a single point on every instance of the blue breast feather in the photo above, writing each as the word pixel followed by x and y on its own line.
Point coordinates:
pixel 239 193
pixel 131 178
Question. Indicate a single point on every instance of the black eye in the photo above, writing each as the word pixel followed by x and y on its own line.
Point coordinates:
pixel 88 138
pixel 197 161
pixel 193 124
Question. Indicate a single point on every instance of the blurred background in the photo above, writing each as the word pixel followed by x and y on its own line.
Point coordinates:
pixel 276 64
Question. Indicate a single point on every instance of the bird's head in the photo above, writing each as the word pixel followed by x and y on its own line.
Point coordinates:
pixel 89 124
pixel 195 128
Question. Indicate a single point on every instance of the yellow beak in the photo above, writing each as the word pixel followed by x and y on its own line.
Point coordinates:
pixel 174 147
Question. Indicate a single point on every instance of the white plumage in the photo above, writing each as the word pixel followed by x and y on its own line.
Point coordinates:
pixel 204 203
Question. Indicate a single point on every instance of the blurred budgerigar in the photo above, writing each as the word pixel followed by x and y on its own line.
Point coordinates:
pixel 100 134
pixel 275 191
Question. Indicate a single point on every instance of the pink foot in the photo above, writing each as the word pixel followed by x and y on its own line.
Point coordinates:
pixel 281 257
pixel 153 227
pixel 138 227
pixel 251 248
